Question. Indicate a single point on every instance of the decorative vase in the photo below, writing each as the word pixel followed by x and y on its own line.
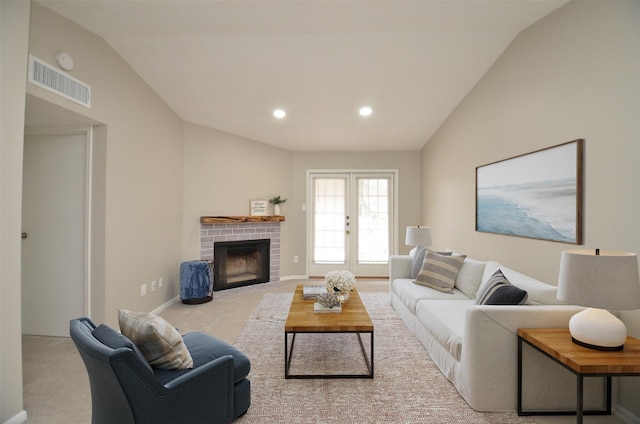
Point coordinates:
pixel 276 209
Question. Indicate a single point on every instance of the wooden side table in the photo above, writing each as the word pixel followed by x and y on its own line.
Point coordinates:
pixel 556 344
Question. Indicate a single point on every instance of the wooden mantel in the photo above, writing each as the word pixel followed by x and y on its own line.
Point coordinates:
pixel 238 219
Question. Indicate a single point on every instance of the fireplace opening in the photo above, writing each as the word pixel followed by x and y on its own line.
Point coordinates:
pixel 240 263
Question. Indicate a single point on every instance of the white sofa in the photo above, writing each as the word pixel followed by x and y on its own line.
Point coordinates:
pixel 475 346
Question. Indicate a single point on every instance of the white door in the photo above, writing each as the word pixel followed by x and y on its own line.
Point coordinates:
pixel 54 232
pixel 351 218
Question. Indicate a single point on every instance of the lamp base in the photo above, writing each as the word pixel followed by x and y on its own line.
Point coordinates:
pixel 595 347
pixel 597 329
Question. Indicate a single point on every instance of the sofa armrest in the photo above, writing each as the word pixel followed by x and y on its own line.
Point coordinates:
pixel 489 361
pixel 399 267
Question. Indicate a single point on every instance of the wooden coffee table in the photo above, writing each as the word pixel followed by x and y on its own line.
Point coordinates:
pixel 301 319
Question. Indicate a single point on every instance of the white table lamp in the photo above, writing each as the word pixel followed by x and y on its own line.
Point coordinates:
pixel 418 236
pixel 600 280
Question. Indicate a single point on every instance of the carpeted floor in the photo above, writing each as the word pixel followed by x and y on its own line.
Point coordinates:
pixel 407 387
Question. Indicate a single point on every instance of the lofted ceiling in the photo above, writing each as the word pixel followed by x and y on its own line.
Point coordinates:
pixel 228 64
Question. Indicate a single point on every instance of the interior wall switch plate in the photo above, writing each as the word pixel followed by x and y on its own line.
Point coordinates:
pixel 161 282
pixel 143 290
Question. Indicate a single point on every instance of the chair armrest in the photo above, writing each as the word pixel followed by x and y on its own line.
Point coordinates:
pixel 216 369
pixel 204 394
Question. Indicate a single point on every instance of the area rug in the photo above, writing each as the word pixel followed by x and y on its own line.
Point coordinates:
pixel 407 388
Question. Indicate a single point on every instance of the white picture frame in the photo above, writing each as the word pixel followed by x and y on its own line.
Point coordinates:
pixel 259 207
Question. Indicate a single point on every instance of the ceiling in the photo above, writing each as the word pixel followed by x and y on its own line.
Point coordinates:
pixel 229 64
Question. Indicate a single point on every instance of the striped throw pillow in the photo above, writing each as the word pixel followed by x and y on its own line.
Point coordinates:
pixel 159 341
pixel 439 272
pixel 499 291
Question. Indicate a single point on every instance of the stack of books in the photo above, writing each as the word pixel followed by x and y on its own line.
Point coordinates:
pixel 312 292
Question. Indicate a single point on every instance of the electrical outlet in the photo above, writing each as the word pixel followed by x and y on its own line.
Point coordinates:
pixel 161 282
pixel 143 290
pixel 295 259
pixel 154 285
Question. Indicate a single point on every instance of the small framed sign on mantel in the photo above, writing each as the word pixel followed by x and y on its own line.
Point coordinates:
pixel 259 207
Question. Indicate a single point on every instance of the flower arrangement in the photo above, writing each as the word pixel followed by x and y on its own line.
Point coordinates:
pixel 339 281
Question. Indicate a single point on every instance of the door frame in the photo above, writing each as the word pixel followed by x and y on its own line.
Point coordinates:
pixel 393 245
pixel 87 132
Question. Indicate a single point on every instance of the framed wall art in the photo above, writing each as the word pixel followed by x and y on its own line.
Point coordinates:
pixel 259 207
pixel 536 195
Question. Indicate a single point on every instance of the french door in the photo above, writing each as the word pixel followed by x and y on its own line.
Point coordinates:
pixel 352 217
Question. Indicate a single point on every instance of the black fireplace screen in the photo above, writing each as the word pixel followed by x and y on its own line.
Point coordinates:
pixel 240 263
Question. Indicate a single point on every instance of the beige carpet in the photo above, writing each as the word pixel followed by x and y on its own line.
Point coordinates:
pixel 407 387
pixel 56 386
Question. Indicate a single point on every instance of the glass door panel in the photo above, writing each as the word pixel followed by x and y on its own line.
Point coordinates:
pixel 373 233
pixel 329 222
pixel 351 216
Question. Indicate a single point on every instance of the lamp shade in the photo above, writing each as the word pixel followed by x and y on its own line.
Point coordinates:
pixel 418 236
pixel 608 280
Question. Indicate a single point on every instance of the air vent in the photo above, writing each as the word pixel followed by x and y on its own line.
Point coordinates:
pixel 44 75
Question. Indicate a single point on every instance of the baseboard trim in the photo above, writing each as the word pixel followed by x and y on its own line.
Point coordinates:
pixel 19 418
pixel 626 415
pixel 294 277
pixel 165 305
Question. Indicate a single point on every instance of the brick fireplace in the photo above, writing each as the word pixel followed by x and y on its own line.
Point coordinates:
pixel 236 228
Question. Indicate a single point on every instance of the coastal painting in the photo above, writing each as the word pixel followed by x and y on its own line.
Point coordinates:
pixel 537 195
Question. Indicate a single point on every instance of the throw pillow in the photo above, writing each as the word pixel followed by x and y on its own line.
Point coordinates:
pixel 416 261
pixel 499 291
pixel 439 271
pixel 158 340
pixel 470 277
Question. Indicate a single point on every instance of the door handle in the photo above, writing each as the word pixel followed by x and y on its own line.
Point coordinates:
pixel 24 235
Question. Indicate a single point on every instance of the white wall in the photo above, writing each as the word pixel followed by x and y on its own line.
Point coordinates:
pixel 409 186
pixel 222 173
pixel 574 74
pixel 14 38
pixel 140 142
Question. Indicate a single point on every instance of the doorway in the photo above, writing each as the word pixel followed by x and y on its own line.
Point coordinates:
pixel 55 214
pixel 352 221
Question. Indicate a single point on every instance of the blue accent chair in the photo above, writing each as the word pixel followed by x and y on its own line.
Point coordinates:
pixel 126 389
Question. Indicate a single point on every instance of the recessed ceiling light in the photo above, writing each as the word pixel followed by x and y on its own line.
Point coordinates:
pixel 365 111
pixel 279 113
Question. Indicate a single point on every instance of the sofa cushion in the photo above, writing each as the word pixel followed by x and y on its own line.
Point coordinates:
pixel 158 340
pixel 499 291
pixel 110 337
pixel 470 276
pixel 445 320
pixel 204 348
pixel 410 293
pixel 416 261
pixel 439 271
